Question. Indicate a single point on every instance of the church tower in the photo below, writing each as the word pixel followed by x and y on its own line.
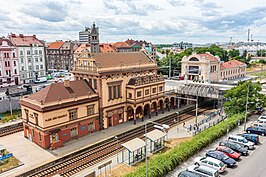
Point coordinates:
pixel 94 39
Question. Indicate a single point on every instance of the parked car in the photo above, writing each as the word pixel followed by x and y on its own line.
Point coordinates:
pixel 229 152
pixel 40 87
pixel 188 174
pixel 234 146
pixel 210 162
pixel 222 157
pixel 262 118
pixel 242 141
pixel 256 130
pixel 258 124
pixel 203 171
pixel 251 137
pixel 259 110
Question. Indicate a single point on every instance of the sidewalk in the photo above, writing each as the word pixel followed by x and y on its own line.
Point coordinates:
pixel 10 123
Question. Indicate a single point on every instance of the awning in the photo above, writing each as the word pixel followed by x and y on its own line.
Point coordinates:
pixel 134 144
pixel 155 135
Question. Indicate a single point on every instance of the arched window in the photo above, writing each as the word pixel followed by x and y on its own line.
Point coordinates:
pixel 193 59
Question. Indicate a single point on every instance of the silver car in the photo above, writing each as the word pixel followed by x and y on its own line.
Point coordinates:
pixel 203 171
pixel 242 141
pixel 210 162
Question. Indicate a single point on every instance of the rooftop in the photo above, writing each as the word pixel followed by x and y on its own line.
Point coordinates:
pixel 56 45
pixel 232 64
pixel 21 40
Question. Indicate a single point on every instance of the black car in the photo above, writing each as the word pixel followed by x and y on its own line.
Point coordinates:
pixel 234 146
pixel 187 174
pixel 222 157
pixel 256 130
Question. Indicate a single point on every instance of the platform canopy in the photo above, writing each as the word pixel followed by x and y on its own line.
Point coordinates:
pixel 134 144
pixel 155 135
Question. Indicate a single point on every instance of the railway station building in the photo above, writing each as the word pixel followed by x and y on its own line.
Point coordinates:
pixel 60 112
pixel 208 68
pixel 127 83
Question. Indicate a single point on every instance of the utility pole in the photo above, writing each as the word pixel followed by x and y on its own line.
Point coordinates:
pixel 10 103
pixel 170 67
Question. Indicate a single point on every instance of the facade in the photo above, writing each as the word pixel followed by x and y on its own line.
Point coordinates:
pixel 9 67
pixel 91 36
pixel 209 68
pixel 60 55
pixel 31 57
pixel 127 83
pixel 60 112
pixel 250 49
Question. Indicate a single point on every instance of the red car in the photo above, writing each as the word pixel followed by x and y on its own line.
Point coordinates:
pixel 228 152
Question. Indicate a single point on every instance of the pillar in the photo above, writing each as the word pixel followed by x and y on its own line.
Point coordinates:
pixel 134 115
pixel 142 114
pixel 169 105
pixel 150 112
pixel 175 106
pixel 178 103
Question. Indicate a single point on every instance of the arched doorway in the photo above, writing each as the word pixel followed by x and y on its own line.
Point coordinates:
pixel 154 108
pixel 130 113
pixel 147 110
pixel 161 105
pixel 139 114
pixel 166 102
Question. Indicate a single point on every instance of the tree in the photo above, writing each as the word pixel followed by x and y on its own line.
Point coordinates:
pixel 233 53
pixel 236 97
pixel 245 53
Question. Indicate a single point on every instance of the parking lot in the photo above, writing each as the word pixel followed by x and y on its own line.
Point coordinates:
pixel 247 166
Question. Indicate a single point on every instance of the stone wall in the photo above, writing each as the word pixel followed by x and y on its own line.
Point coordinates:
pixel 5 105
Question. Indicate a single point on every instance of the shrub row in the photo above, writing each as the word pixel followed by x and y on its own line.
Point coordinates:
pixel 162 163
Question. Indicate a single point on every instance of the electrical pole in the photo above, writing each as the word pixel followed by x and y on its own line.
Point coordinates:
pixel 170 67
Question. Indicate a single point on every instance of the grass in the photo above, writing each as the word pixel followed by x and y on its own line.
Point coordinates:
pixel 262 74
pixel 7 117
pixel 122 169
pixel 9 163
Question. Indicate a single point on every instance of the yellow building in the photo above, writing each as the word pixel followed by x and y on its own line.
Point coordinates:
pixel 60 112
pixel 127 83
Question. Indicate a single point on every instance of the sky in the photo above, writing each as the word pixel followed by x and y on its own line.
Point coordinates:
pixel 157 21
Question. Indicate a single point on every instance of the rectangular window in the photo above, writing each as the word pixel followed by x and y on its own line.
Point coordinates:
pixel 40 51
pixel 15 71
pixel 139 94
pixel 41 66
pixel 110 92
pixel 33 133
pixel 161 88
pixel 40 137
pixel 114 91
pixel 147 92
pixel 129 95
pixel 95 84
pixel 15 64
pixel 21 59
pixel 37 67
pixel 90 110
pixel 90 81
pixel 91 126
pixel 21 52
pixel 36 52
pixel 120 116
pixel 118 91
pixel 36 59
pixel 154 90
pixel 28 52
pixel 40 59
pixel 73 114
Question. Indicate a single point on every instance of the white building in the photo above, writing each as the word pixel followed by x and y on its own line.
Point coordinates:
pixel 251 49
pixel 31 57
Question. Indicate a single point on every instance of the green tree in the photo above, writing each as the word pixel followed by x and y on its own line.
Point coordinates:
pixel 245 53
pixel 233 53
pixel 236 97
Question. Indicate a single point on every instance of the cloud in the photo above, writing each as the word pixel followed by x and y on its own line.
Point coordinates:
pixel 177 3
pixel 131 7
pixel 51 11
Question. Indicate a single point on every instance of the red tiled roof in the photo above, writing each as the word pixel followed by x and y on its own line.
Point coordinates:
pixel 57 91
pixel 82 47
pixel 106 48
pixel 209 56
pixel 121 45
pixel 22 40
pixel 113 59
pixel 231 64
pixel 56 45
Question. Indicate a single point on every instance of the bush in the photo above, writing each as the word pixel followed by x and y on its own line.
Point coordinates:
pixel 161 164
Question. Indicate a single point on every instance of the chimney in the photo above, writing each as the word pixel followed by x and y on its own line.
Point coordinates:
pixel 34 36
pixel 66 83
pixel 13 35
pixel 21 35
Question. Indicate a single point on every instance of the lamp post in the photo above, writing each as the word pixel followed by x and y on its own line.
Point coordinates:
pixel 245 123
pixel 162 126
pixel 116 137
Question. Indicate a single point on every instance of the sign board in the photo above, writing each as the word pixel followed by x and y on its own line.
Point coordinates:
pixel 6 156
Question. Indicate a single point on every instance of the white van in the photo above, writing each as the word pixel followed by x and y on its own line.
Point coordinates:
pixel 40 80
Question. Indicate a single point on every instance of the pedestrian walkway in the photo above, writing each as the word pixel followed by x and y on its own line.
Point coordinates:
pixel 10 123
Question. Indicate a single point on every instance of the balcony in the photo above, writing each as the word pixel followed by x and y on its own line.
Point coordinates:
pixel 85 69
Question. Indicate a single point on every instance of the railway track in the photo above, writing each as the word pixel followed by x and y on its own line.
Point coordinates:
pixel 10 129
pixel 80 160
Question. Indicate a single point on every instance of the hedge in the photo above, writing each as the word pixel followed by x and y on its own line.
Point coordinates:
pixel 162 163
